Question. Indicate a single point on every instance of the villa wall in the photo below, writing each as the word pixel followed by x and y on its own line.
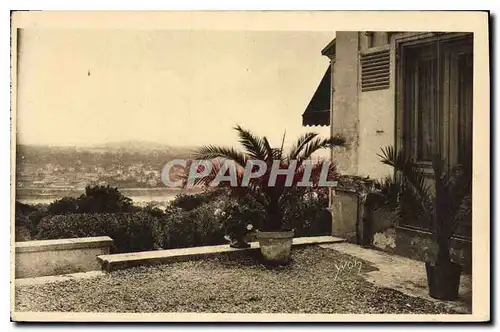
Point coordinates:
pixel 419 245
pixel 366 119
pixel 345 212
pixel 345 100
pixel 376 114
pixel 376 130
pixel 350 214
pixel 55 257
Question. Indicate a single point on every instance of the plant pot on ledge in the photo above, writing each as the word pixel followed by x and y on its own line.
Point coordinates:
pixel 276 247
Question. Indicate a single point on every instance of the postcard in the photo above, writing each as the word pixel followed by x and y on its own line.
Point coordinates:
pixel 290 166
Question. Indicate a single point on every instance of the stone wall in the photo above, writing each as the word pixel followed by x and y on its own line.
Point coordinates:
pixel 54 257
pixel 349 215
pixel 417 244
pixel 344 214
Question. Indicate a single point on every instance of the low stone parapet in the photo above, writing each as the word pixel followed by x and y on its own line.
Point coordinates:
pixel 56 257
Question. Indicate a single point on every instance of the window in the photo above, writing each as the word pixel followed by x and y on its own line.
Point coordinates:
pixel 421 101
pixel 435 93
pixel 463 103
pixel 437 100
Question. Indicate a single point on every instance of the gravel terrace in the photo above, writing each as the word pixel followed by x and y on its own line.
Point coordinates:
pixel 311 284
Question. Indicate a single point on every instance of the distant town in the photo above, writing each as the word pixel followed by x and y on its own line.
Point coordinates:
pixel 43 171
pixel 31 175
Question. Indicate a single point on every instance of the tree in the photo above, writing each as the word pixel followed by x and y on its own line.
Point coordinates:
pixel 98 199
pixel 63 206
pixel 273 198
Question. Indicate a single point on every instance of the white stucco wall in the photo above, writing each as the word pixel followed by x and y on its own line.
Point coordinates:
pixel 345 100
pixel 376 130
pixel 377 120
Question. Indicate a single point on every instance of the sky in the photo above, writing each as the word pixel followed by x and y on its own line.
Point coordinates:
pixel 86 87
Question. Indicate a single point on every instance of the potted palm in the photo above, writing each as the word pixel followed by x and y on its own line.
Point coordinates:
pixel 442 205
pixel 274 234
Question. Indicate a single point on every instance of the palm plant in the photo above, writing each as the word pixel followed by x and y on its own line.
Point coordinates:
pixel 442 206
pixel 273 198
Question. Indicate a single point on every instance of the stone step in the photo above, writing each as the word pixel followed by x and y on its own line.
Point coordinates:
pixel 115 262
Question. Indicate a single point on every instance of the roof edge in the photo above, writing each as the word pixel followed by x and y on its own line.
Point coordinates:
pixel 329 49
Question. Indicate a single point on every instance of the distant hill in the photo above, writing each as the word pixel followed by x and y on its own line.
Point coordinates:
pixel 142 146
pixel 134 147
pixel 125 153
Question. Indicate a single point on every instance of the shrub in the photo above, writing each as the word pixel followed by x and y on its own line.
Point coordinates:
pixel 305 212
pixel 152 209
pixel 22 228
pixel 196 227
pixel 63 206
pixel 27 217
pixel 309 215
pixel 190 229
pixel 98 199
pixel 130 231
pixel 144 233
pixel 186 223
pixel 190 202
pixel 237 220
pixel 208 230
pixel 356 183
pixel 25 209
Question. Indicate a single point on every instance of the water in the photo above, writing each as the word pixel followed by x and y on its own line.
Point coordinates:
pixel 139 196
pixel 141 200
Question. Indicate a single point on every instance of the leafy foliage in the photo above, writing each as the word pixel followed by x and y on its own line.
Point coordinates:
pixel 22 228
pixel 64 205
pixel 190 220
pixel 27 218
pixel 99 199
pixel 96 199
pixel 196 227
pixel 272 198
pixel 130 231
pixel 442 206
pixel 193 201
pixel 239 218
pixel 308 214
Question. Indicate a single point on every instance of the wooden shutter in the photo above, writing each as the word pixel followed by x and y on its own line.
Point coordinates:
pixel 375 70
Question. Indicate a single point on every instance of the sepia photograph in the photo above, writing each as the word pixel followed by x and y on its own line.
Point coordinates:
pixel 250 166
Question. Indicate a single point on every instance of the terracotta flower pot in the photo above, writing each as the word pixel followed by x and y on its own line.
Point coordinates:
pixel 276 247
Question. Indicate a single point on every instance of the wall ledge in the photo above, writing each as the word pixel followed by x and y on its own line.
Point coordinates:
pixel 63 244
pixel 112 262
pixel 424 232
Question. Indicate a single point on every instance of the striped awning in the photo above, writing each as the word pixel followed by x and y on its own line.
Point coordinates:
pixel 317 112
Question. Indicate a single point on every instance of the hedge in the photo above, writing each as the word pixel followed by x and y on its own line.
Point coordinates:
pixel 197 227
pixel 189 222
pixel 130 231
